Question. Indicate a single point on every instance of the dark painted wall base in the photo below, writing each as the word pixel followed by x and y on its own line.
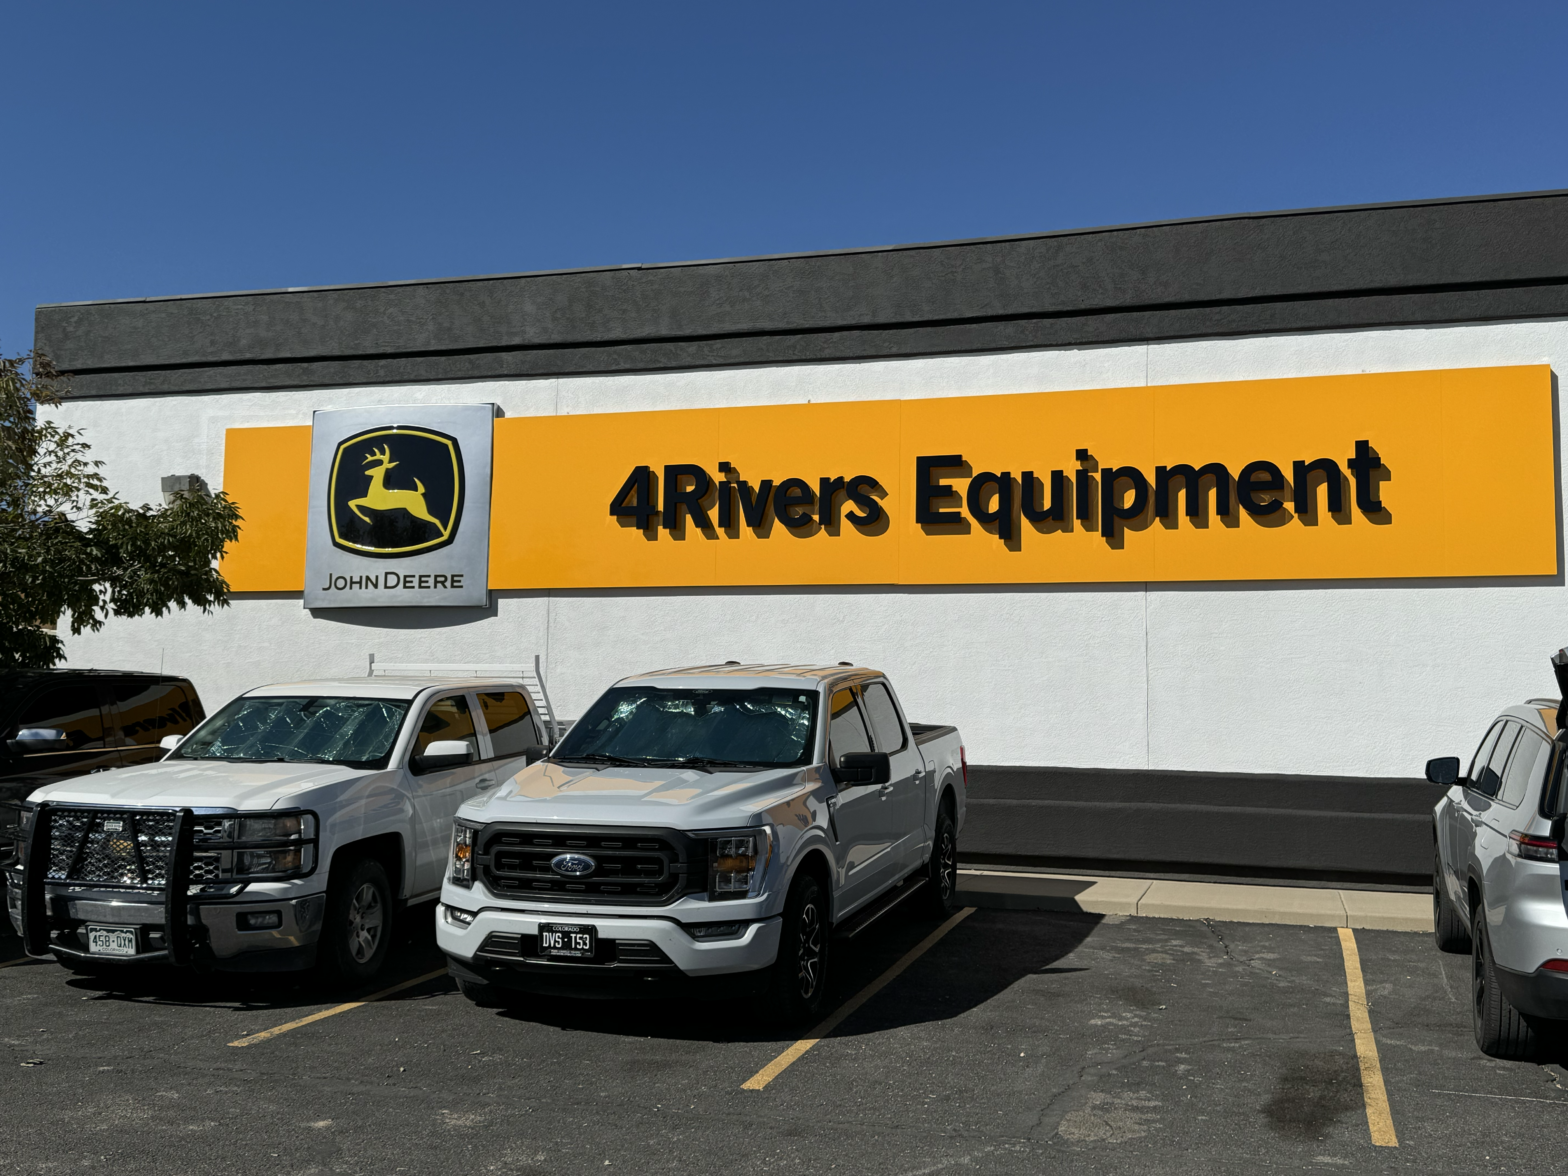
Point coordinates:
pixel 1299 828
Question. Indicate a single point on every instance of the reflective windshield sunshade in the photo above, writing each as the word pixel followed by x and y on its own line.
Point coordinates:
pixel 746 729
pixel 358 732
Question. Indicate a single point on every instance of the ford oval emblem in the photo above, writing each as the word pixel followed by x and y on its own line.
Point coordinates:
pixel 573 865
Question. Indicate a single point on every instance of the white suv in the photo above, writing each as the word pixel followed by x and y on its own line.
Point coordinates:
pixel 1498 875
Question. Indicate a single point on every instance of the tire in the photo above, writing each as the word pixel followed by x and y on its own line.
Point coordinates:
pixel 1500 1029
pixel 1447 928
pixel 486 996
pixel 941 898
pixel 356 933
pixel 799 974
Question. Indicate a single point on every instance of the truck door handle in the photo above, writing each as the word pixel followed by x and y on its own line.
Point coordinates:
pixel 487 782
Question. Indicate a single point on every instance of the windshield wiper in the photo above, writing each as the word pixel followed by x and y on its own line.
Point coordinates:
pixel 706 763
pixel 599 757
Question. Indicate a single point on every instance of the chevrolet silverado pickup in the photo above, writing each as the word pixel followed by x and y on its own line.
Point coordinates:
pixel 283 833
pixel 706 829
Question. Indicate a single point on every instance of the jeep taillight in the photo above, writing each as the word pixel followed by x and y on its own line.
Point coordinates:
pixel 1535 849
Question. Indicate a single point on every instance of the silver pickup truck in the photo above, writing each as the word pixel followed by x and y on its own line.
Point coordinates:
pixel 705 830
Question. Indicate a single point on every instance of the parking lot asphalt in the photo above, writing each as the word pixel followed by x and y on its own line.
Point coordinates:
pixel 1021 1041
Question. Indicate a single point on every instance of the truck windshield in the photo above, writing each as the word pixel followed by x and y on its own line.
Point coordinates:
pixel 358 732
pixel 647 725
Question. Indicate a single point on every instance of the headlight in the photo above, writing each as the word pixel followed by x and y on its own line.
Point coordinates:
pixel 245 848
pixel 265 861
pixel 737 863
pixel 463 854
pixel 289 828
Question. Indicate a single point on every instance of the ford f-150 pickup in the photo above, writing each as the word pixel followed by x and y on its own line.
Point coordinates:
pixel 282 833
pixel 704 829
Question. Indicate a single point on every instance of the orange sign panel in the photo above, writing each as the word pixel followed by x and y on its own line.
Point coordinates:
pixel 1411 474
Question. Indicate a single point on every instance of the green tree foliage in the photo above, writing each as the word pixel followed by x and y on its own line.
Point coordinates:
pixel 70 546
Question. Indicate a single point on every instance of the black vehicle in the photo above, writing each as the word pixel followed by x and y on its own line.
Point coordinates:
pixel 59 723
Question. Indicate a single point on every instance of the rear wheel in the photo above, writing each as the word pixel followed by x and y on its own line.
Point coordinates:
pixel 799 974
pixel 1500 1029
pixel 356 933
pixel 942 869
pixel 1446 926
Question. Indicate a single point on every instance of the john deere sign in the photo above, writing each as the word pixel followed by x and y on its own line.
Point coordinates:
pixel 399 506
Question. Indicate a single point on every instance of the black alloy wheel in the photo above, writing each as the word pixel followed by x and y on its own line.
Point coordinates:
pixel 800 971
pixel 1449 932
pixel 942 871
pixel 1500 1029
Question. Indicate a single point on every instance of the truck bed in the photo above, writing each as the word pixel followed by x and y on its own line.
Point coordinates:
pixel 926 732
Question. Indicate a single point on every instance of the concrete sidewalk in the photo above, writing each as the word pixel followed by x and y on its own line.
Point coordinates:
pixel 1376 910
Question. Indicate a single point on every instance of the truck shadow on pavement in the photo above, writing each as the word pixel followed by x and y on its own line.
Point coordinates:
pixel 980 958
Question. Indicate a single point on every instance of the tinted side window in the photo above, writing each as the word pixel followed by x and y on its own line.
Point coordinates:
pixel 507 717
pixel 1490 779
pixel 846 728
pixel 885 723
pixel 1526 768
pixel 1482 755
pixel 71 709
pixel 448 718
pixel 151 710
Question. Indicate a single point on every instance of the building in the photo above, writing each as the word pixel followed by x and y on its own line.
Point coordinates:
pixel 1367 571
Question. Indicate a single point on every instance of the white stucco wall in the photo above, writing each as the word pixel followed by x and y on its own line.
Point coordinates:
pixel 1362 678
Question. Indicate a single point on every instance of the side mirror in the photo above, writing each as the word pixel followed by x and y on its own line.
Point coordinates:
pixel 443 753
pixel 863 767
pixel 532 755
pixel 170 742
pixel 30 740
pixel 1444 770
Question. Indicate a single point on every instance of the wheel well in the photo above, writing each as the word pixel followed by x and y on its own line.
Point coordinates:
pixel 386 849
pixel 1473 897
pixel 948 802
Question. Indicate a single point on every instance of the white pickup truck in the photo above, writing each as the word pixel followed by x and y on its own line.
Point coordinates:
pixel 283 833
pixel 704 830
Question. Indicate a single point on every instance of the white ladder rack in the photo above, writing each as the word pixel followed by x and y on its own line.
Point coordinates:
pixel 532 679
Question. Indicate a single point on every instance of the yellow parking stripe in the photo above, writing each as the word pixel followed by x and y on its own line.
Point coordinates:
pixel 786 1059
pixel 19 960
pixel 1379 1120
pixel 268 1034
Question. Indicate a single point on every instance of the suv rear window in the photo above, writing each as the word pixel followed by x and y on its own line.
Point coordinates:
pixel 151 710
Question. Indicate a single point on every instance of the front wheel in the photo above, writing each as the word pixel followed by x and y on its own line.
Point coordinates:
pixel 799 975
pixel 357 931
pixel 1446 928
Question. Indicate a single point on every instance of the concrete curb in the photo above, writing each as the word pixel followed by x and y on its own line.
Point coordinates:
pixel 1374 910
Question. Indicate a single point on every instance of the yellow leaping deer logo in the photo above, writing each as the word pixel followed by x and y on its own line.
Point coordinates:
pixel 378 497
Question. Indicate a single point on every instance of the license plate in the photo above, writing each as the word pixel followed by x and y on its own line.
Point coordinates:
pixel 566 940
pixel 118 941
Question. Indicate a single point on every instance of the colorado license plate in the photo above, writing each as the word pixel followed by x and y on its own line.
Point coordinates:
pixel 118 941
pixel 568 940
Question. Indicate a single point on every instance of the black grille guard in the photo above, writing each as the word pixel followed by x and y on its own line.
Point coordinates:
pixel 176 886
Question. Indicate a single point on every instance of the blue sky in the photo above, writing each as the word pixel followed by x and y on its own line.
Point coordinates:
pixel 178 148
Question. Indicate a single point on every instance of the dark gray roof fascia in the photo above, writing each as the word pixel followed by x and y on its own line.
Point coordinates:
pixel 1405 263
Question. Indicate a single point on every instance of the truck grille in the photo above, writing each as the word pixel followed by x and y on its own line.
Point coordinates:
pixel 636 867
pixel 117 848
